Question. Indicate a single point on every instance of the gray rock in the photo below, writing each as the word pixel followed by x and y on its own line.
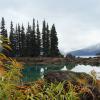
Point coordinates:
pixel 60 76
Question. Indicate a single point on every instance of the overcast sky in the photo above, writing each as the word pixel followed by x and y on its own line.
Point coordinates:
pixel 77 21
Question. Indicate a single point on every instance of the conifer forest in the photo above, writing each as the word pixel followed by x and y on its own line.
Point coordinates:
pixel 31 41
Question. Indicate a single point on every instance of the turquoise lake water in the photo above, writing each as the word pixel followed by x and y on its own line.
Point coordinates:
pixel 35 72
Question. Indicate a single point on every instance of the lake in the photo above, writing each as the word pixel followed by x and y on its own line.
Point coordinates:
pixel 35 72
pixel 86 56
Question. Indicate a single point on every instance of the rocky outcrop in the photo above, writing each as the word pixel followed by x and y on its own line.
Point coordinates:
pixel 81 80
pixel 60 76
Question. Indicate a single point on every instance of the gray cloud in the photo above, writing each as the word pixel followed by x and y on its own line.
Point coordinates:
pixel 77 21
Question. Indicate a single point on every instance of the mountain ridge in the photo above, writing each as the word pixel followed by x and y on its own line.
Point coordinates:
pixel 88 51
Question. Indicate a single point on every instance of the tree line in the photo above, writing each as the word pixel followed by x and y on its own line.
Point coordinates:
pixel 31 42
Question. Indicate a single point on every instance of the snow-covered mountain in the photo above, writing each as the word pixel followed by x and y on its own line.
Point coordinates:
pixel 89 51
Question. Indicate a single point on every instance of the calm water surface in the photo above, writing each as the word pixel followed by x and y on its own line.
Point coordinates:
pixel 35 72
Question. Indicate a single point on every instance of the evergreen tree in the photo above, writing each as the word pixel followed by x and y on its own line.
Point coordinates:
pixel 44 38
pixel 19 41
pixel 38 40
pixel 28 41
pixel 3 30
pixel 54 51
pixel 33 41
pixel 4 34
pixel 22 40
pixel 12 39
pixel 47 41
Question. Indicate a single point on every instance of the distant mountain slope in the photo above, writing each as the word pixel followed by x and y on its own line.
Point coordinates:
pixel 89 51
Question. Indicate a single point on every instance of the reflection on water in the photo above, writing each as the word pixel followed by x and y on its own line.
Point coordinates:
pixel 64 68
pixel 87 69
pixel 42 70
pixel 86 56
pixel 34 72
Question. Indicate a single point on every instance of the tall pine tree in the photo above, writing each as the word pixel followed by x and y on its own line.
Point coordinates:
pixel 12 38
pixel 3 30
pixel 5 37
pixel 44 39
pixel 28 41
pixel 38 40
pixel 54 51
pixel 47 41
pixel 19 41
pixel 33 41
pixel 22 40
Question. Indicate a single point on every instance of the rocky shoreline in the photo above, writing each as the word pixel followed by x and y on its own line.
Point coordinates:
pixel 95 61
pixel 50 60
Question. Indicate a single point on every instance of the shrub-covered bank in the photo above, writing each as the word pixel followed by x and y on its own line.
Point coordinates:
pixel 54 86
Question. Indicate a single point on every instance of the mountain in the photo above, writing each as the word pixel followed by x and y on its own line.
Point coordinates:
pixel 89 51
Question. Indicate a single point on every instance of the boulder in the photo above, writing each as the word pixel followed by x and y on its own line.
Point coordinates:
pixel 60 76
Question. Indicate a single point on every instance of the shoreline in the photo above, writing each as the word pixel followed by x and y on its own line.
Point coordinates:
pixel 59 60
pixel 40 60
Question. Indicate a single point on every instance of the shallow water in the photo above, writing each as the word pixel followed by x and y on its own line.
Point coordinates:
pixel 87 69
pixel 35 72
